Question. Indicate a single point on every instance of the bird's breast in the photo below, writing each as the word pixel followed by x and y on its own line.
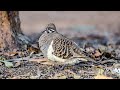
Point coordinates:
pixel 51 56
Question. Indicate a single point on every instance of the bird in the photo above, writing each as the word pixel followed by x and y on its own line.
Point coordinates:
pixel 58 48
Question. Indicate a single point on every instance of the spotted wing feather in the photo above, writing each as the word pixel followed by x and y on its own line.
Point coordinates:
pixel 65 48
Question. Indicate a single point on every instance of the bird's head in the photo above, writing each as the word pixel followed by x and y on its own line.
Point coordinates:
pixel 50 28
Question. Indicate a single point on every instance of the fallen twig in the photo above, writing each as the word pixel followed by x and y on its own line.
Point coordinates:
pixel 21 59
pixel 108 61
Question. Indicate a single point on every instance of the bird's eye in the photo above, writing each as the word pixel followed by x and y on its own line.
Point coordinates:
pixel 52 30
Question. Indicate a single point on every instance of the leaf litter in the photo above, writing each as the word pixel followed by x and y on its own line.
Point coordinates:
pixel 30 63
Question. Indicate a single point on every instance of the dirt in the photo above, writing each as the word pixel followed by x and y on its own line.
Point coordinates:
pixel 104 57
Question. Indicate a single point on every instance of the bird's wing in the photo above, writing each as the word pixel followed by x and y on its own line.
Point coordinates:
pixel 66 48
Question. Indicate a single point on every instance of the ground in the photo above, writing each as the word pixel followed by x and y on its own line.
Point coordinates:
pixel 97 33
pixel 104 63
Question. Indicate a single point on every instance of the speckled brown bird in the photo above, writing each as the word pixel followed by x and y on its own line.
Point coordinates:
pixel 59 48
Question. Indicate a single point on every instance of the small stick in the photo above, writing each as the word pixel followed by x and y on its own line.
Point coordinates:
pixel 20 59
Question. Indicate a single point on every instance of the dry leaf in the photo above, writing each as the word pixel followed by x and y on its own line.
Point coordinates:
pixel 17 64
pixel 8 64
pixel 74 74
pixel 12 53
pixel 16 77
pixel 100 71
pixel 97 54
pixel 59 76
pixel 47 63
pixel 102 77
pixel 100 74
pixel 21 53
pixel 34 77
pixel 31 49
pixel 62 77
pixel 41 61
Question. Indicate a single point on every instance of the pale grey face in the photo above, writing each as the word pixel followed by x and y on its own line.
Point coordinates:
pixel 50 28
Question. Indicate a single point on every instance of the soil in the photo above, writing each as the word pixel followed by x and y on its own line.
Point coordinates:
pixel 103 56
